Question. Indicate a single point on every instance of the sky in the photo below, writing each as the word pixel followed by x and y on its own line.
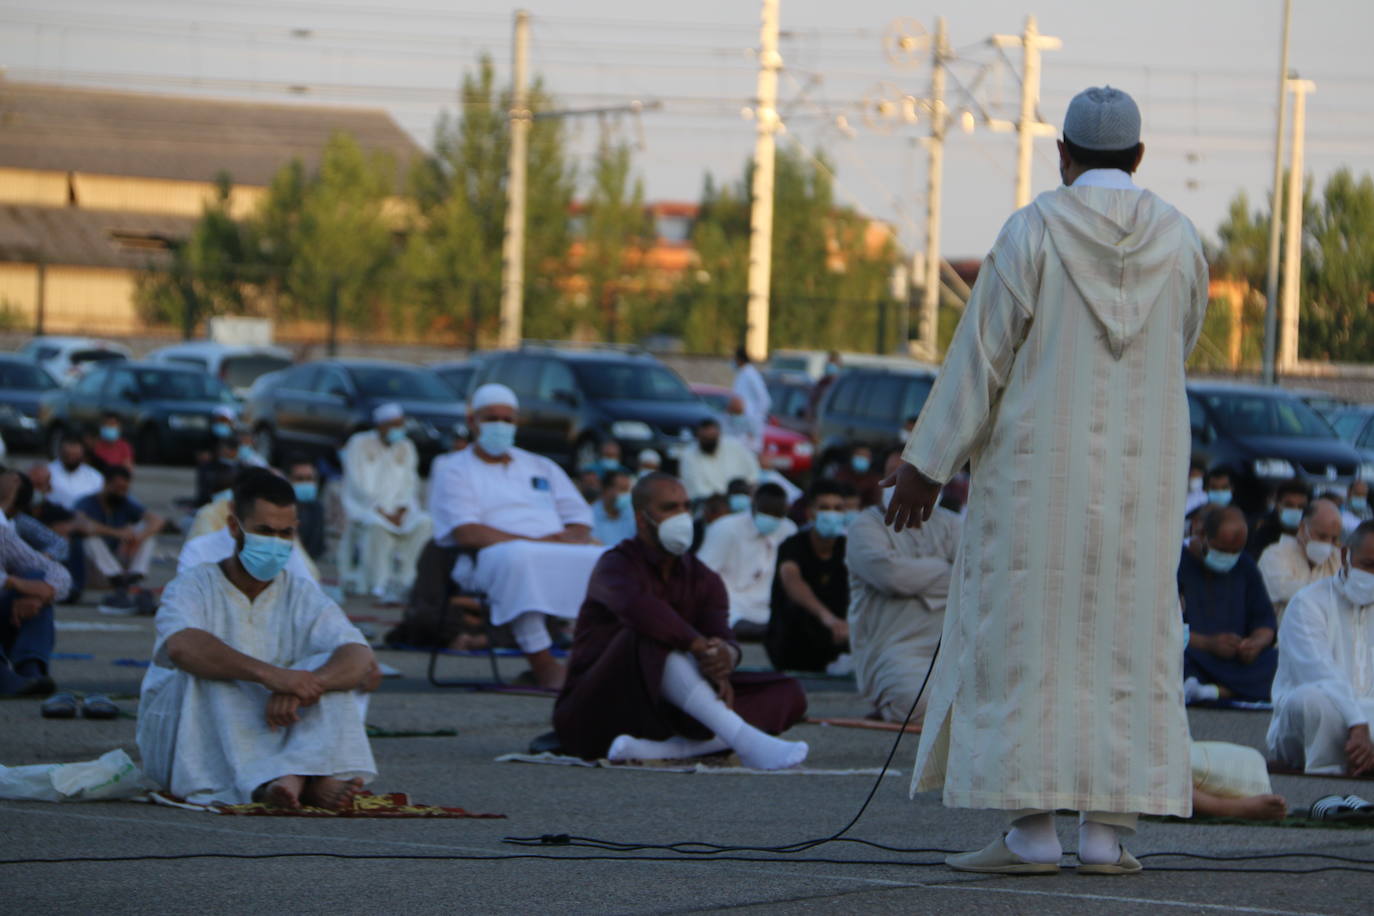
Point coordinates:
pixel 1205 74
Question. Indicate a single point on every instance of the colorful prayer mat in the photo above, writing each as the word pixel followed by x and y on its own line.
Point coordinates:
pixel 366 804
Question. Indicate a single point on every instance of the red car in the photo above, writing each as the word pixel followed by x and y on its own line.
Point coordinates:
pixel 788 451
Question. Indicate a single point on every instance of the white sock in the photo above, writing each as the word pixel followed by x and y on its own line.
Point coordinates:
pixel 685 688
pixel 1098 844
pixel 628 747
pixel 1034 838
pixel 1195 690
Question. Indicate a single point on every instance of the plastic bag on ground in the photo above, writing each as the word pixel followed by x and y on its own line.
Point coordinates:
pixel 113 775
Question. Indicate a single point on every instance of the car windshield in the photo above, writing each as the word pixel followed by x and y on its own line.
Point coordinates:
pixel 399 384
pixel 24 377
pixel 1266 415
pixel 180 385
pixel 242 371
pixel 458 379
pixel 94 356
pixel 716 400
pixel 608 381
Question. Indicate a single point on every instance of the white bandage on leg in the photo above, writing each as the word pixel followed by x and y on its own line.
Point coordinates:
pixel 685 688
pixel 531 633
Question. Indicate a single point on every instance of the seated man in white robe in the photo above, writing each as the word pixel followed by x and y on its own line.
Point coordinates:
pixel 530 529
pixel 742 548
pixel 257 689
pixel 898 585
pixel 1323 692
pixel 381 496
pixel 709 464
pixel 1295 561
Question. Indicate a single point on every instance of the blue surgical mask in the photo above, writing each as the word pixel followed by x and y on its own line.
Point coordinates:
pixel 1219 561
pixel 1290 517
pixel 264 556
pixel 395 434
pixel 222 430
pixel 109 433
pixel 830 524
pixel 624 502
pixel 1359 504
pixel 766 524
pixel 1219 497
pixel 306 491
pixel 739 502
pixel 860 464
pixel 496 437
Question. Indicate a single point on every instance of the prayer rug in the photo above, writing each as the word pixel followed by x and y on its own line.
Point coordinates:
pixel 722 764
pixel 1280 770
pixel 366 804
pixel 874 724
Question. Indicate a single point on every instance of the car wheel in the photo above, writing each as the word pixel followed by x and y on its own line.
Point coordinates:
pixel 148 446
pixel 264 443
pixel 588 451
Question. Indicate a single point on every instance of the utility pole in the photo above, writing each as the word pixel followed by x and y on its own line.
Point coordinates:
pixel 761 209
pixel 928 320
pixel 1292 254
pixel 513 246
pixel 1028 126
pixel 1271 284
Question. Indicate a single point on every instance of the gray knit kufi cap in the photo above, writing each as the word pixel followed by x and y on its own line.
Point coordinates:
pixel 1102 119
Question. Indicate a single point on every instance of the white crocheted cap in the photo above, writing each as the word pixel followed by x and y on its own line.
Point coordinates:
pixel 1102 118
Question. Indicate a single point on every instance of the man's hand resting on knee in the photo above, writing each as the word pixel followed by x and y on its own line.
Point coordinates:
pixel 1359 751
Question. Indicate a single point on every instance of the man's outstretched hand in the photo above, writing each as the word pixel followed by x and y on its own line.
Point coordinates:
pixel 913 499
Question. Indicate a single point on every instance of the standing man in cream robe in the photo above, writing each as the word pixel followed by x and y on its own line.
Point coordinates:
pixel 1059 682
pixel 381 495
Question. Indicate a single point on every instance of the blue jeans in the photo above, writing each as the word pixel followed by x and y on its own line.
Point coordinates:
pixel 32 640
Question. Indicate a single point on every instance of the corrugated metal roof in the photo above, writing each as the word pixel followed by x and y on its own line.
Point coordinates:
pixel 92 238
pixel 178 137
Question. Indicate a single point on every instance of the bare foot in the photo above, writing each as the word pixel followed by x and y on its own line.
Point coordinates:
pixel 282 792
pixel 548 672
pixel 1262 807
pixel 330 792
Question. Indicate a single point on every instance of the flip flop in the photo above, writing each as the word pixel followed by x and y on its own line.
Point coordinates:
pixel 99 706
pixel 1127 864
pixel 997 859
pixel 59 706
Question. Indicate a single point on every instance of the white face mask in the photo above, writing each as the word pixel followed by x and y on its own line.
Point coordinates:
pixel 1358 586
pixel 1194 484
pixel 675 533
pixel 1318 552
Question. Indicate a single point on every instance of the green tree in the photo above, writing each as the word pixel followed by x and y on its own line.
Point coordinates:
pixel 616 230
pixel 1337 320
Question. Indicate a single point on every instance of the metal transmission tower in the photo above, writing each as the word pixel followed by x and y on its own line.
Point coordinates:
pixel 1029 125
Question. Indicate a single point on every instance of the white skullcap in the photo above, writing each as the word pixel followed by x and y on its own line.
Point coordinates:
pixel 492 394
pixel 649 456
pixel 1102 119
pixel 386 413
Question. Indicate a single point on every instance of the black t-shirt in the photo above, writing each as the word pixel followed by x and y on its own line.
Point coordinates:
pixel 828 578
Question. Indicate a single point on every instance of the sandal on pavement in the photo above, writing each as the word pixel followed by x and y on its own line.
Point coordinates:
pixel 997 859
pixel 59 706
pixel 99 707
pixel 1126 865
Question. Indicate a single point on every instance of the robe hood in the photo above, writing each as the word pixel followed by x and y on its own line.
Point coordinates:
pixel 1120 250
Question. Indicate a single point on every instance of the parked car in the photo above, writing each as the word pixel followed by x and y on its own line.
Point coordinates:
pixel 314 407
pixel 1323 402
pixel 1267 435
pixel 791 394
pixel 165 409
pixel 787 451
pixel 458 374
pixel 573 400
pixel 22 387
pixel 66 359
pixel 1355 425
pixel 869 406
pixel 236 365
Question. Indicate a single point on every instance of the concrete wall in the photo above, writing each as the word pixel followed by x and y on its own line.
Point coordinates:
pixel 76 300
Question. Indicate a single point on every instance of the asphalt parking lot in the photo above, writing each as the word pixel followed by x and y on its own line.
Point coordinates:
pixel 446 865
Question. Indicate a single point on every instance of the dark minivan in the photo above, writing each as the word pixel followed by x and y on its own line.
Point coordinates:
pixel 571 401
pixel 869 406
pixel 1267 435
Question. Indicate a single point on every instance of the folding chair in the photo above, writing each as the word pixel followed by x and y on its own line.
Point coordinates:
pixel 464 600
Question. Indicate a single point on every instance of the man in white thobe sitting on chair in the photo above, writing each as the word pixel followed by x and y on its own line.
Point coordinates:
pixel 529 527
pixel 381 487
pixel 1323 689
pixel 257 688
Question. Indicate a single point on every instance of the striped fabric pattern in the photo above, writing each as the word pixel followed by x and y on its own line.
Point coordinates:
pixel 1059 683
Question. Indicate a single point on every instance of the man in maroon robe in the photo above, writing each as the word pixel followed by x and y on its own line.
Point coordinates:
pixel 652 673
